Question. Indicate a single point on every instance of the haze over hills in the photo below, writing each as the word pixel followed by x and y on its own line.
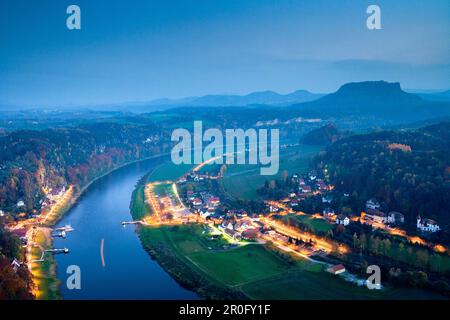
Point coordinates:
pixel 375 100
pixel 436 96
pixel 222 100
pixel 268 97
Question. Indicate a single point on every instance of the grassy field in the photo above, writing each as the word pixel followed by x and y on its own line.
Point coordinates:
pixel 317 225
pixel 254 270
pixel 139 209
pixel 240 265
pixel 44 273
pixel 310 285
pixel 169 171
pixel 242 181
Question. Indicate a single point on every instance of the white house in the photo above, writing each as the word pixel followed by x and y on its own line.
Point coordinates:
pixel 215 201
pixel 197 202
pixel 336 269
pixel 273 209
pixel 326 199
pixel 305 189
pixel 328 212
pixel 396 217
pixel 205 213
pixel 427 225
pixel 378 216
pixel 342 219
pixel 373 204
pixel 20 203
pixel 15 265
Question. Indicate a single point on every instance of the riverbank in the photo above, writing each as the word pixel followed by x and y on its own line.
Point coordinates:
pixel 158 243
pixel 44 273
pixel 43 266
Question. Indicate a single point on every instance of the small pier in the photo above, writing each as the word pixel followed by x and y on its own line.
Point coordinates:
pixel 61 234
pixel 57 251
pixel 124 223
pixel 66 228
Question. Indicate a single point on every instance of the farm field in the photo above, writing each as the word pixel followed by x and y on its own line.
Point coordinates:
pixel 257 271
pixel 317 225
pixel 169 171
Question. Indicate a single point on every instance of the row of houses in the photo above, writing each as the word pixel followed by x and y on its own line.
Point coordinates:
pixel 195 177
pixel 203 203
pixel 241 228
pixel 374 213
pixel 53 196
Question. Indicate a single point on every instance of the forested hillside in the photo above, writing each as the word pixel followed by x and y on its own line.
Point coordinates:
pixel 408 170
pixel 32 161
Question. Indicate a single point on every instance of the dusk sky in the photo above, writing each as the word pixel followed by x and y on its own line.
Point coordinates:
pixel 138 50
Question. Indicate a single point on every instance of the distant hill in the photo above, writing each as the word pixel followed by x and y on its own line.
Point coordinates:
pixel 377 99
pixel 322 136
pixel 436 96
pixel 254 98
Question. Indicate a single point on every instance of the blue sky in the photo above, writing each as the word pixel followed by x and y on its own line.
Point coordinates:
pixel 139 50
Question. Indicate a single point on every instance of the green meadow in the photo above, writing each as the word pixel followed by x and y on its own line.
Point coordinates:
pixel 317 225
pixel 169 171
pixel 254 270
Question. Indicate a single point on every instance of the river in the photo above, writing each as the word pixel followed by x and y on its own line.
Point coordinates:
pixel 129 272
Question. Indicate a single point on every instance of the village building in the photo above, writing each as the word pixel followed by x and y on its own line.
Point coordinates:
pixel 327 199
pixel 322 185
pixel 305 189
pixel 273 209
pixel 15 265
pixel 336 269
pixel 396 217
pixel 373 204
pixel 328 212
pixel 250 234
pixel 56 193
pixel 343 220
pixel 233 233
pixel 378 216
pixel 312 175
pixel 215 201
pixel 427 225
pixel 204 213
pixel 197 202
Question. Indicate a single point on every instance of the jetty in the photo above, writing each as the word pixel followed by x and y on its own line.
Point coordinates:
pixel 56 251
pixel 66 228
pixel 124 223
